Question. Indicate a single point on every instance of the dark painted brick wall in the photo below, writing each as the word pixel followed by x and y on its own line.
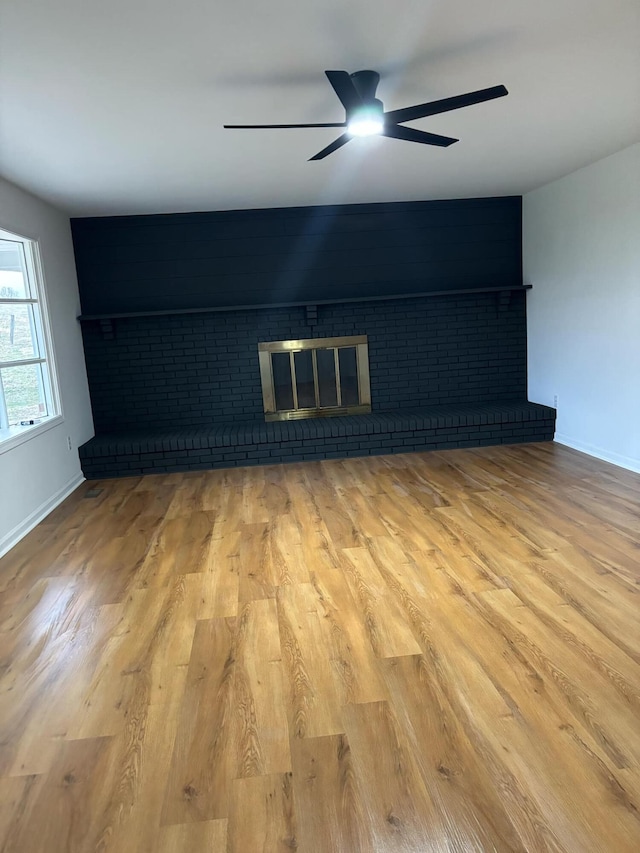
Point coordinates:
pixel 199 369
pixel 243 257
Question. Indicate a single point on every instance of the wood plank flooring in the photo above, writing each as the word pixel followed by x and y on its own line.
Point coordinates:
pixel 422 652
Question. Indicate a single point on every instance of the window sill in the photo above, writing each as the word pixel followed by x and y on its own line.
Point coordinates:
pixel 14 436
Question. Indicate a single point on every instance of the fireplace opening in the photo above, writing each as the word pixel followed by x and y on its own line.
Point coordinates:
pixel 313 378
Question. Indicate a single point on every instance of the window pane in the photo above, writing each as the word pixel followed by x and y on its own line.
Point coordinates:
pixel 281 368
pixel 13 271
pixel 304 379
pixel 17 335
pixel 327 377
pixel 24 393
pixel 348 376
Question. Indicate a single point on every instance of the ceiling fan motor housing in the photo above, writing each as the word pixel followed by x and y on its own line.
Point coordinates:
pixel 367 118
pixel 365 83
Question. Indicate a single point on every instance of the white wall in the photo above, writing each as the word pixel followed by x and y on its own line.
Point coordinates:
pixel 37 474
pixel 582 256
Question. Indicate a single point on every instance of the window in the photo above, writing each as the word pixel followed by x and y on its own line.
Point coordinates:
pixel 28 393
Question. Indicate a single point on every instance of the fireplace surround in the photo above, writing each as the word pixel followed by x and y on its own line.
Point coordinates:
pixel 176 306
pixel 183 391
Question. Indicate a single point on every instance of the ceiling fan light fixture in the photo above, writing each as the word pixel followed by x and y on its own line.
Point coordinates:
pixel 367 121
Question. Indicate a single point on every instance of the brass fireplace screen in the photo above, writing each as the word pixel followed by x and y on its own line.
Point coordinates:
pixel 315 378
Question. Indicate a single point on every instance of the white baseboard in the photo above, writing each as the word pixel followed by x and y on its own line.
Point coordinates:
pixel 627 462
pixel 12 538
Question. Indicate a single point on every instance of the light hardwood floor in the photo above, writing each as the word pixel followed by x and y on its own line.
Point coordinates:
pixel 423 652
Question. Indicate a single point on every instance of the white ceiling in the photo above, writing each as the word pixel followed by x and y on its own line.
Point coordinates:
pixel 117 107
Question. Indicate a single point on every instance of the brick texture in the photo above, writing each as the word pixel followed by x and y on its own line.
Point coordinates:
pixel 201 370
pixel 253 443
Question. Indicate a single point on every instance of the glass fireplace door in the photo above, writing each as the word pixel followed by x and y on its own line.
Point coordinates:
pixel 315 378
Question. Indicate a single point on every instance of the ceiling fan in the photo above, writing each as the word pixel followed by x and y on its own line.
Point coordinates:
pixel 365 114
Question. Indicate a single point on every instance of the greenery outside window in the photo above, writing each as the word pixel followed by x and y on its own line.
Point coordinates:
pixel 28 390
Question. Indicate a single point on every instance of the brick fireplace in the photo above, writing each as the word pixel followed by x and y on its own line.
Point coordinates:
pixel 178 385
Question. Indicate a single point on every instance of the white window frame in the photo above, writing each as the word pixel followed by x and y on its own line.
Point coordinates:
pixel 11 436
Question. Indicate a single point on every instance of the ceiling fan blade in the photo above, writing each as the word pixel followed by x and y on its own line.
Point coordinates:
pixel 337 143
pixel 436 107
pixel 396 131
pixel 344 89
pixel 280 126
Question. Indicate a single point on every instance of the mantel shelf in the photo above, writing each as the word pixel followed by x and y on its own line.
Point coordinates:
pixel 85 318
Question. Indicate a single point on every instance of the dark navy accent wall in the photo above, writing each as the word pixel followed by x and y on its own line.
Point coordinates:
pixel 243 257
pixel 202 369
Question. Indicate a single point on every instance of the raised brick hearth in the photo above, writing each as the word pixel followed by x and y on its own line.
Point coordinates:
pixel 230 445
